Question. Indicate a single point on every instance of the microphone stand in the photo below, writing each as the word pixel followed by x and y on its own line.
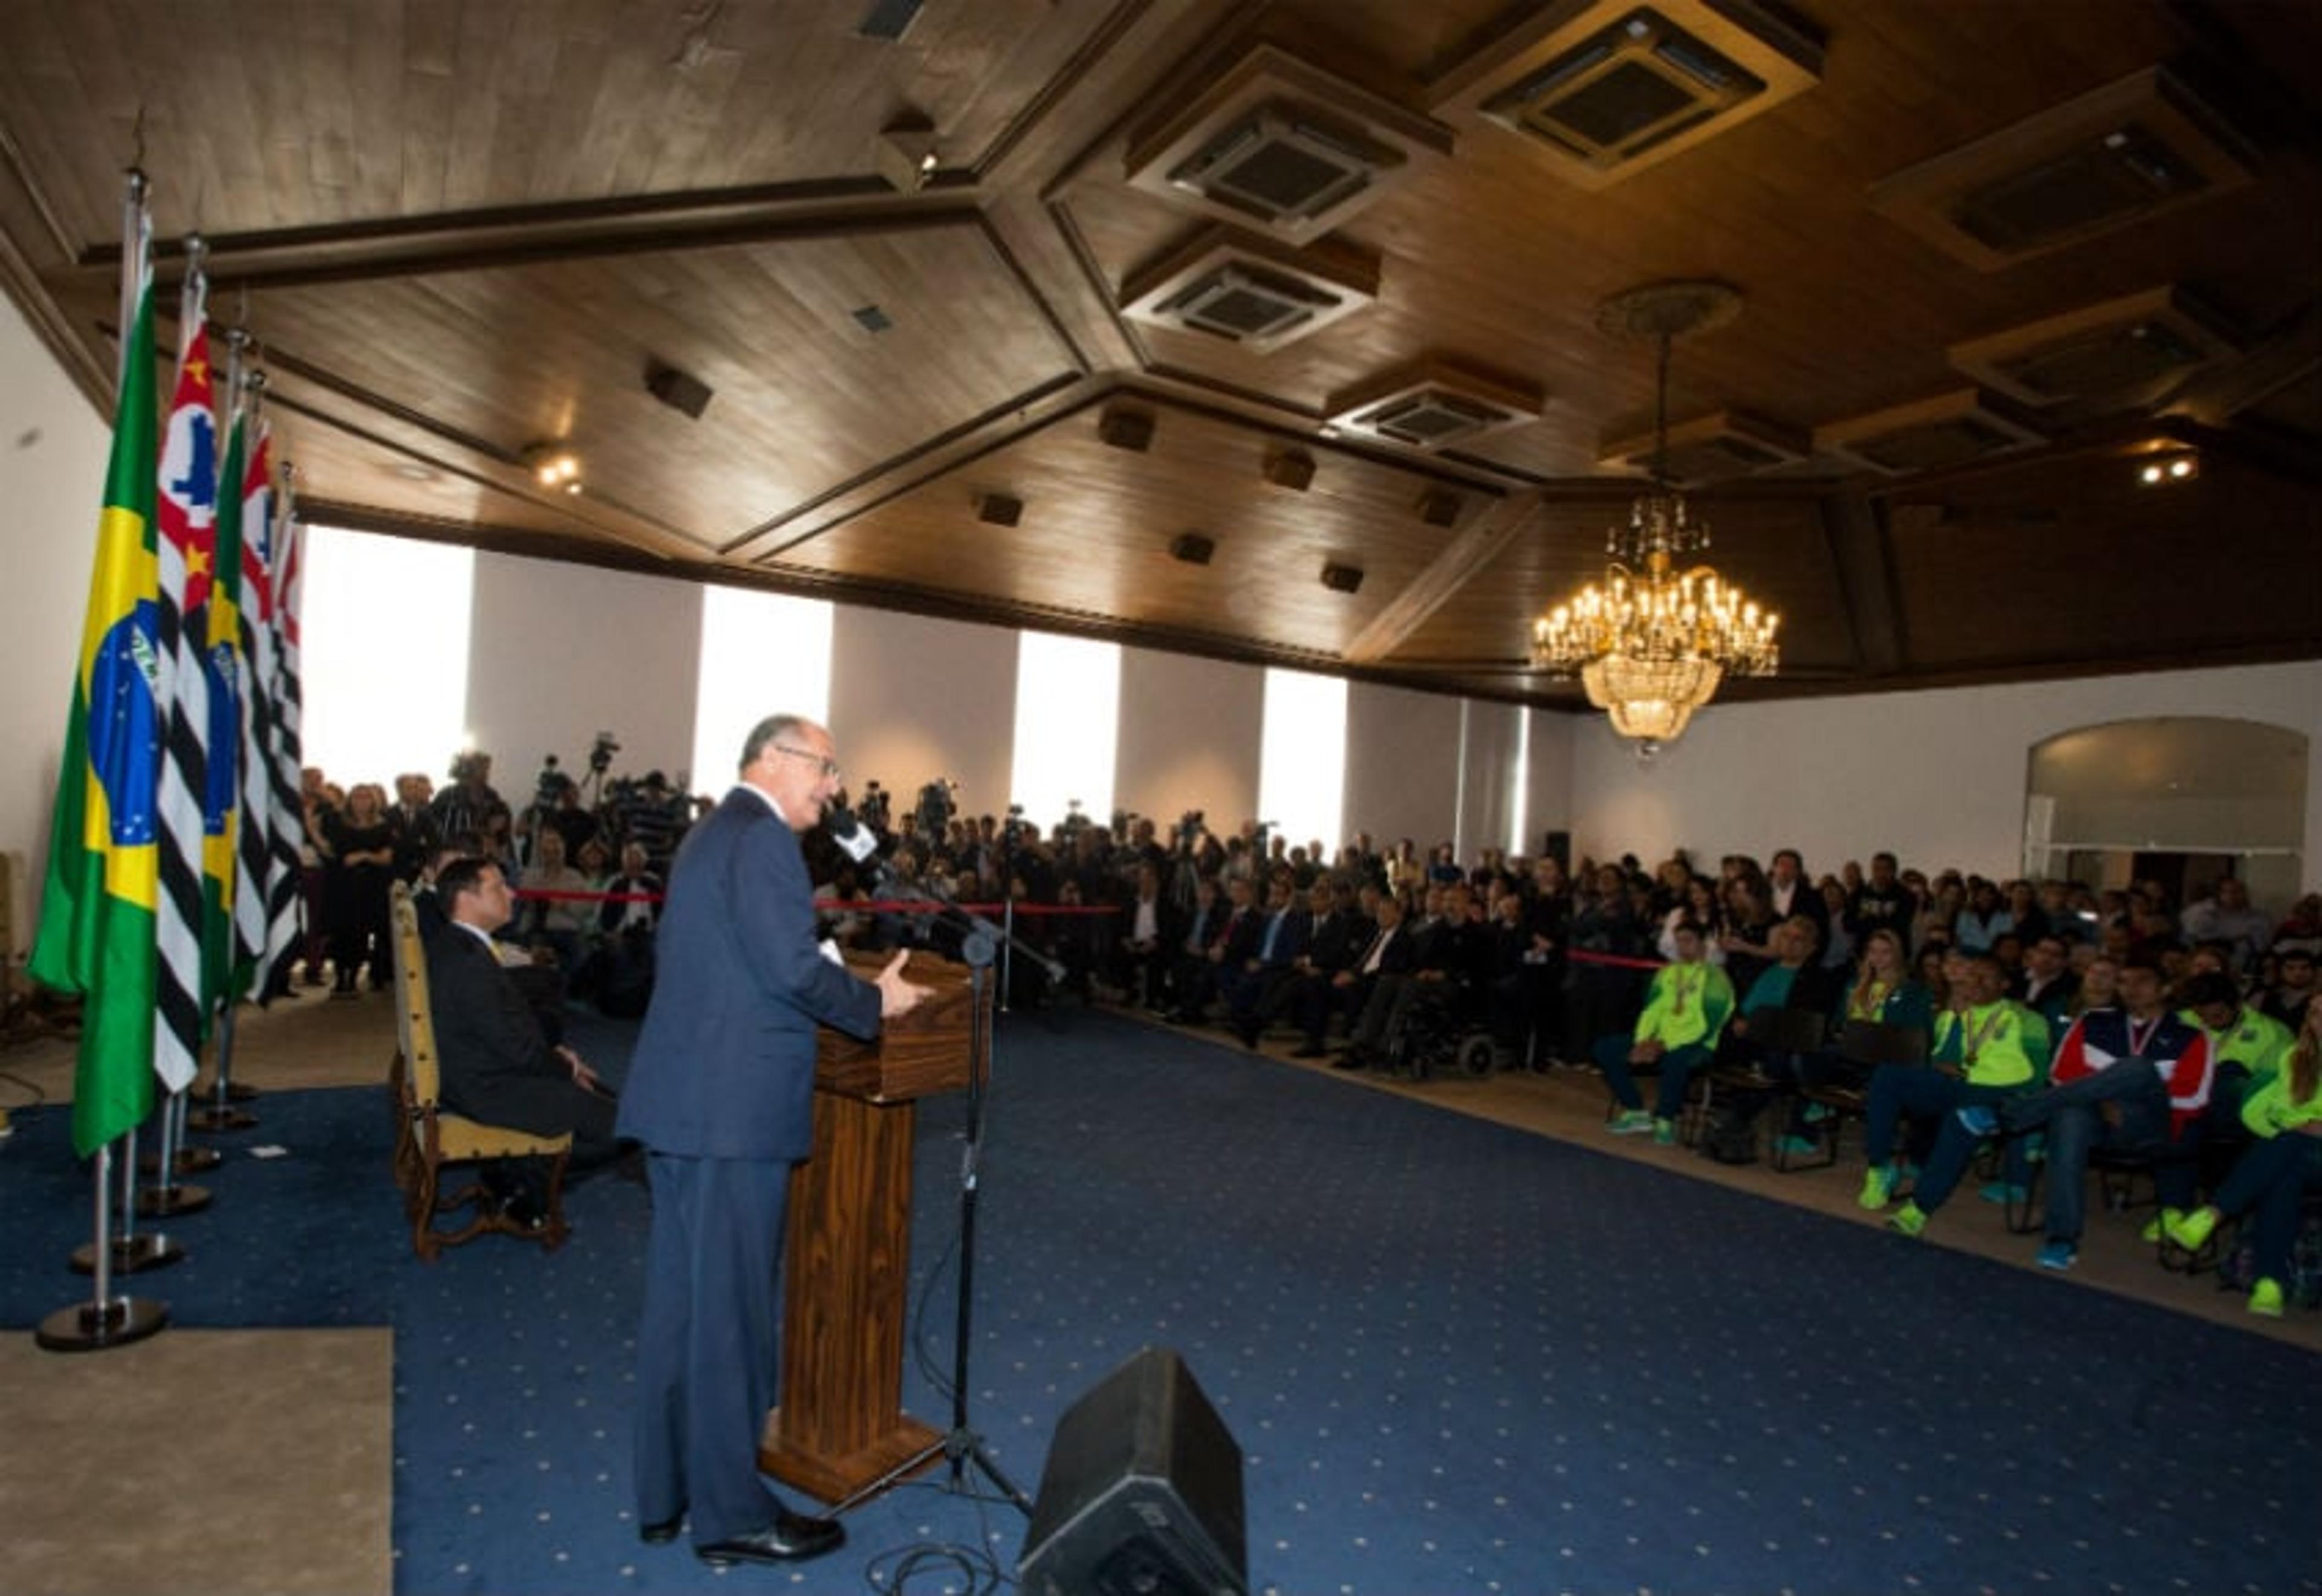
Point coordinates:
pixel 961 1445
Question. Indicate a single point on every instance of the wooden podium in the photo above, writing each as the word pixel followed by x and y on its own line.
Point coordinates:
pixel 841 1424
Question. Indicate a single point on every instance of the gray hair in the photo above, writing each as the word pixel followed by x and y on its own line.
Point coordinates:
pixel 774 728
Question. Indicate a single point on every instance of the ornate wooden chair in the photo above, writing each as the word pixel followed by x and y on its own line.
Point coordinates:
pixel 429 1135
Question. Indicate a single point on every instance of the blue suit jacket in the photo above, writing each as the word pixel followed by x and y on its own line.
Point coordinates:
pixel 725 1064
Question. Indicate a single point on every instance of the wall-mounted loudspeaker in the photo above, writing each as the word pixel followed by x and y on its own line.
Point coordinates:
pixel 1142 1494
pixel 1342 578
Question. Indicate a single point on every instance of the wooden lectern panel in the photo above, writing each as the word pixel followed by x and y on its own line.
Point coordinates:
pixel 841 1425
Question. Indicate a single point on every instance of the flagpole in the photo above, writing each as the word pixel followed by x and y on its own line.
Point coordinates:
pixel 222 1115
pixel 106 1320
pixel 129 1251
pixel 177 1034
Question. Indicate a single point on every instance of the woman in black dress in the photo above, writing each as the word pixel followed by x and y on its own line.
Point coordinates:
pixel 360 870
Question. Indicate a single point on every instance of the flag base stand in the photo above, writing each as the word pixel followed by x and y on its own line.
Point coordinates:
pixel 217 1118
pixel 190 1161
pixel 162 1202
pixel 131 1255
pixel 241 1091
pixel 91 1326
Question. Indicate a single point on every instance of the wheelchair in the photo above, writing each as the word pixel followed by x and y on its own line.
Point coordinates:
pixel 1438 1029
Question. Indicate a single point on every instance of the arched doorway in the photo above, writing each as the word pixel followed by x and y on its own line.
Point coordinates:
pixel 2184 800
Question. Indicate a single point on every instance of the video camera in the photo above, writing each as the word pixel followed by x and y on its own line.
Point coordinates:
pixel 876 809
pixel 1189 831
pixel 601 752
pixel 937 804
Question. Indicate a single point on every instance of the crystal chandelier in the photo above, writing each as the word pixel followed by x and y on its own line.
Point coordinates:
pixel 1651 642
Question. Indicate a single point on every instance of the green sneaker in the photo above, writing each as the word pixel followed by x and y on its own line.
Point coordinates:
pixel 2266 1298
pixel 1878 1187
pixel 1798 1147
pixel 2002 1191
pixel 1909 1220
pixel 1664 1132
pixel 1630 1122
pixel 2191 1231
pixel 2160 1223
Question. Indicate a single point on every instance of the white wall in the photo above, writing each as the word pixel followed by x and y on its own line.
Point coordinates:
pixel 1403 764
pixel 1190 730
pixel 559 653
pixel 1548 773
pixel 52 455
pixel 1490 737
pixel 912 700
pixel 1936 775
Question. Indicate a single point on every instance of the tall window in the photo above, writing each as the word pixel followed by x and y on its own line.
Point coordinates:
pixel 383 654
pixel 1302 768
pixel 1067 726
pixel 759 653
pixel 1520 800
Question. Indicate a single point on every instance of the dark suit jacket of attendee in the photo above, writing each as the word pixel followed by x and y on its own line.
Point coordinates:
pixel 1805 899
pixel 1290 943
pixel 724 1066
pixel 1238 936
pixel 496 1063
pixel 1339 941
pixel 1169 921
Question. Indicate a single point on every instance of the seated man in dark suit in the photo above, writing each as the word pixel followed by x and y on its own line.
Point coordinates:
pixel 1259 986
pixel 498 1066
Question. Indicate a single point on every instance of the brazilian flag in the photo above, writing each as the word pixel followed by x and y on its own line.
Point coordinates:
pixel 97 930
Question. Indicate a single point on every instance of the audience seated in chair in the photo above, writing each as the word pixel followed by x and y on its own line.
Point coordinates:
pixel 1686 1009
pixel 1987 1048
pixel 1796 983
pixel 2134 1079
pixel 499 1067
pixel 2273 1177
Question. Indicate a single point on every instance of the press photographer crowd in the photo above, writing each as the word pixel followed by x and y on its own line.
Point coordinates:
pixel 2028 1023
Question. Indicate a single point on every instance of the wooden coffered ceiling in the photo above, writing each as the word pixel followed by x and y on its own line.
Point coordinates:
pixel 460 228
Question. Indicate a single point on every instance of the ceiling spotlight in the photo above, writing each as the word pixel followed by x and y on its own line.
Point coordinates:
pixel 2175 468
pixel 552 465
pixel 907 154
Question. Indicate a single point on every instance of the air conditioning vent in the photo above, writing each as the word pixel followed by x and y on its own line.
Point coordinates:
pixel 1283 167
pixel 2121 353
pixel 1605 88
pixel 1953 429
pixel 1435 408
pixel 1266 140
pixel 1614 98
pixel 1251 291
pixel 2116 156
pixel 2093 185
pixel 1716 448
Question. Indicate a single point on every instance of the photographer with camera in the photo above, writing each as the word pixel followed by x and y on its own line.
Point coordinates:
pixel 469 807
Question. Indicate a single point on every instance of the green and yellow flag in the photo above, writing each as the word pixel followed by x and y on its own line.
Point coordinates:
pixel 97 929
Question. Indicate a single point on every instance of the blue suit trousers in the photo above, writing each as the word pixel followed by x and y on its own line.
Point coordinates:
pixel 710 1341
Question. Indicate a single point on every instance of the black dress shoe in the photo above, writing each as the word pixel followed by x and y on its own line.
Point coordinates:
pixel 791 1538
pixel 661 1532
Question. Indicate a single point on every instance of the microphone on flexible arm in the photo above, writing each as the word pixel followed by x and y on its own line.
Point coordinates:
pixel 860 844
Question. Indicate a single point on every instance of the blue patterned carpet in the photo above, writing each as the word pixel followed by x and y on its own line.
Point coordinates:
pixel 1459 1357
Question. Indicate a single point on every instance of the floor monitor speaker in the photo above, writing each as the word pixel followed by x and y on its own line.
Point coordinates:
pixel 1142 1494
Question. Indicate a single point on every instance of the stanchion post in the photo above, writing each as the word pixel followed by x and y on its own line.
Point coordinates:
pixel 221 1113
pixel 105 1320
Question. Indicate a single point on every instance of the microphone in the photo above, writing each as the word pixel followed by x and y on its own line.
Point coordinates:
pixel 855 839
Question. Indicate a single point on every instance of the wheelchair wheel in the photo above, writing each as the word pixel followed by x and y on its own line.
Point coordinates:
pixel 1475 1055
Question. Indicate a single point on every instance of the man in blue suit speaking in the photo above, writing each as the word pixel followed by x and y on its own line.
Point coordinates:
pixel 720 1091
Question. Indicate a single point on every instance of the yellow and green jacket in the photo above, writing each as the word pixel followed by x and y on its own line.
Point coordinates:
pixel 2258 1042
pixel 2009 1043
pixel 2269 1109
pixel 1686 1003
